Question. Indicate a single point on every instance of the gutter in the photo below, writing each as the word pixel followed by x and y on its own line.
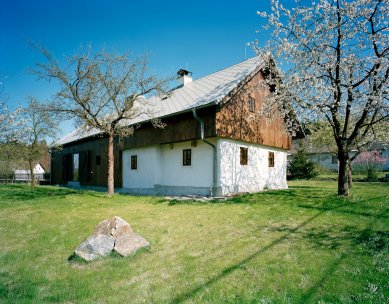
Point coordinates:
pixel 214 171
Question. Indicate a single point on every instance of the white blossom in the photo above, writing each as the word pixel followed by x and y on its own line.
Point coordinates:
pixel 337 54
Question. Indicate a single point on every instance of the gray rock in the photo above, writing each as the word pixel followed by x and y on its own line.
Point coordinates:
pixel 114 234
pixel 126 245
pixel 114 227
pixel 96 246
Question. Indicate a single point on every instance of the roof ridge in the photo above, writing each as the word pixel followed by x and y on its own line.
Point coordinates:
pixel 226 68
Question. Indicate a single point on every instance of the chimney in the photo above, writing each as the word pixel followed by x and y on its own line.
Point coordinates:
pixel 184 77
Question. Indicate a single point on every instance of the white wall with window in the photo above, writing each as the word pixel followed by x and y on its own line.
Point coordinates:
pixel 148 167
pixel 187 168
pixel 246 167
pixel 176 173
pixel 177 168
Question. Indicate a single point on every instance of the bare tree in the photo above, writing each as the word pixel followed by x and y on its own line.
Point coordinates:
pixel 103 92
pixel 39 125
pixel 336 53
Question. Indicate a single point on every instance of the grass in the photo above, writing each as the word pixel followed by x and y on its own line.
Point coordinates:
pixel 357 176
pixel 303 245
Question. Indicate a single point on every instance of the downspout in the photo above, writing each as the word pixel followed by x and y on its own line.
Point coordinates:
pixel 214 184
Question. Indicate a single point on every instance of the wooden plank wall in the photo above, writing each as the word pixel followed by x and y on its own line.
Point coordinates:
pixel 178 128
pixel 93 147
pixel 234 119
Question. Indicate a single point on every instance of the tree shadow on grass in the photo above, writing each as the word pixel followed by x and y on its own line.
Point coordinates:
pixel 24 192
pixel 256 198
pixel 310 187
pixel 349 208
pixel 225 272
pixel 307 296
pixel 248 199
pixel 329 237
pixel 321 239
pixel 287 196
pixel 373 242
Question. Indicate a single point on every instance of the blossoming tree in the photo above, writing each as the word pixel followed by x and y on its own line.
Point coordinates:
pixel 335 54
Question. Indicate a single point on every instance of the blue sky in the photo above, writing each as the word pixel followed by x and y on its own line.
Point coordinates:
pixel 202 36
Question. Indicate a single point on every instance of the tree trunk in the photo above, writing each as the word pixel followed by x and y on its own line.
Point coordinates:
pixel 343 186
pixel 111 181
pixel 32 177
pixel 349 174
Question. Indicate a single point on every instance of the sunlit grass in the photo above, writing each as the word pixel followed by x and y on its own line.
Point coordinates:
pixel 294 246
pixel 357 176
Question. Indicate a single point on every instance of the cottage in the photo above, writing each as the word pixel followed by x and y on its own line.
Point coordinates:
pixel 215 142
pixel 23 175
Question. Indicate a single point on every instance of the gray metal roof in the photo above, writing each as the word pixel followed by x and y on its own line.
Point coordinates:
pixel 199 93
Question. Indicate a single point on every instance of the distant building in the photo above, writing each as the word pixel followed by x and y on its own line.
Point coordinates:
pixel 23 175
pixel 329 160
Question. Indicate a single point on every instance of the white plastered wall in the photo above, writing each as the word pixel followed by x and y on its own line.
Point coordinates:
pixel 148 170
pixel 198 174
pixel 160 168
pixel 256 175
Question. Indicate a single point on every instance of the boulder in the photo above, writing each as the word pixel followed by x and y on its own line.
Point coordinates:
pixel 126 245
pixel 114 227
pixel 111 235
pixel 95 246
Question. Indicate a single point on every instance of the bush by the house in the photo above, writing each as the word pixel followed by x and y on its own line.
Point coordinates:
pixel 301 167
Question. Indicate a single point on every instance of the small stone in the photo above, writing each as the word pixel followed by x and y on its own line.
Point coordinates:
pixel 96 246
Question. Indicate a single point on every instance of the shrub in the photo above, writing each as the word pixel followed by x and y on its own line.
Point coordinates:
pixel 372 175
pixel 301 167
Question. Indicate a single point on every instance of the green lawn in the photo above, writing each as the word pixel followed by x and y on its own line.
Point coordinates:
pixel 358 177
pixel 303 245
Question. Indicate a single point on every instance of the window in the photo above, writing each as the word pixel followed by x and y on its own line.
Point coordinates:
pixel 187 157
pixel 334 159
pixel 76 166
pixel 134 162
pixel 98 160
pixel 271 159
pixel 244 155
pixel 251 104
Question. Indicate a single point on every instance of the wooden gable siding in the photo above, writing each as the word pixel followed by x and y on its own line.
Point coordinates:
pixel 235 120
pixel 178 128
